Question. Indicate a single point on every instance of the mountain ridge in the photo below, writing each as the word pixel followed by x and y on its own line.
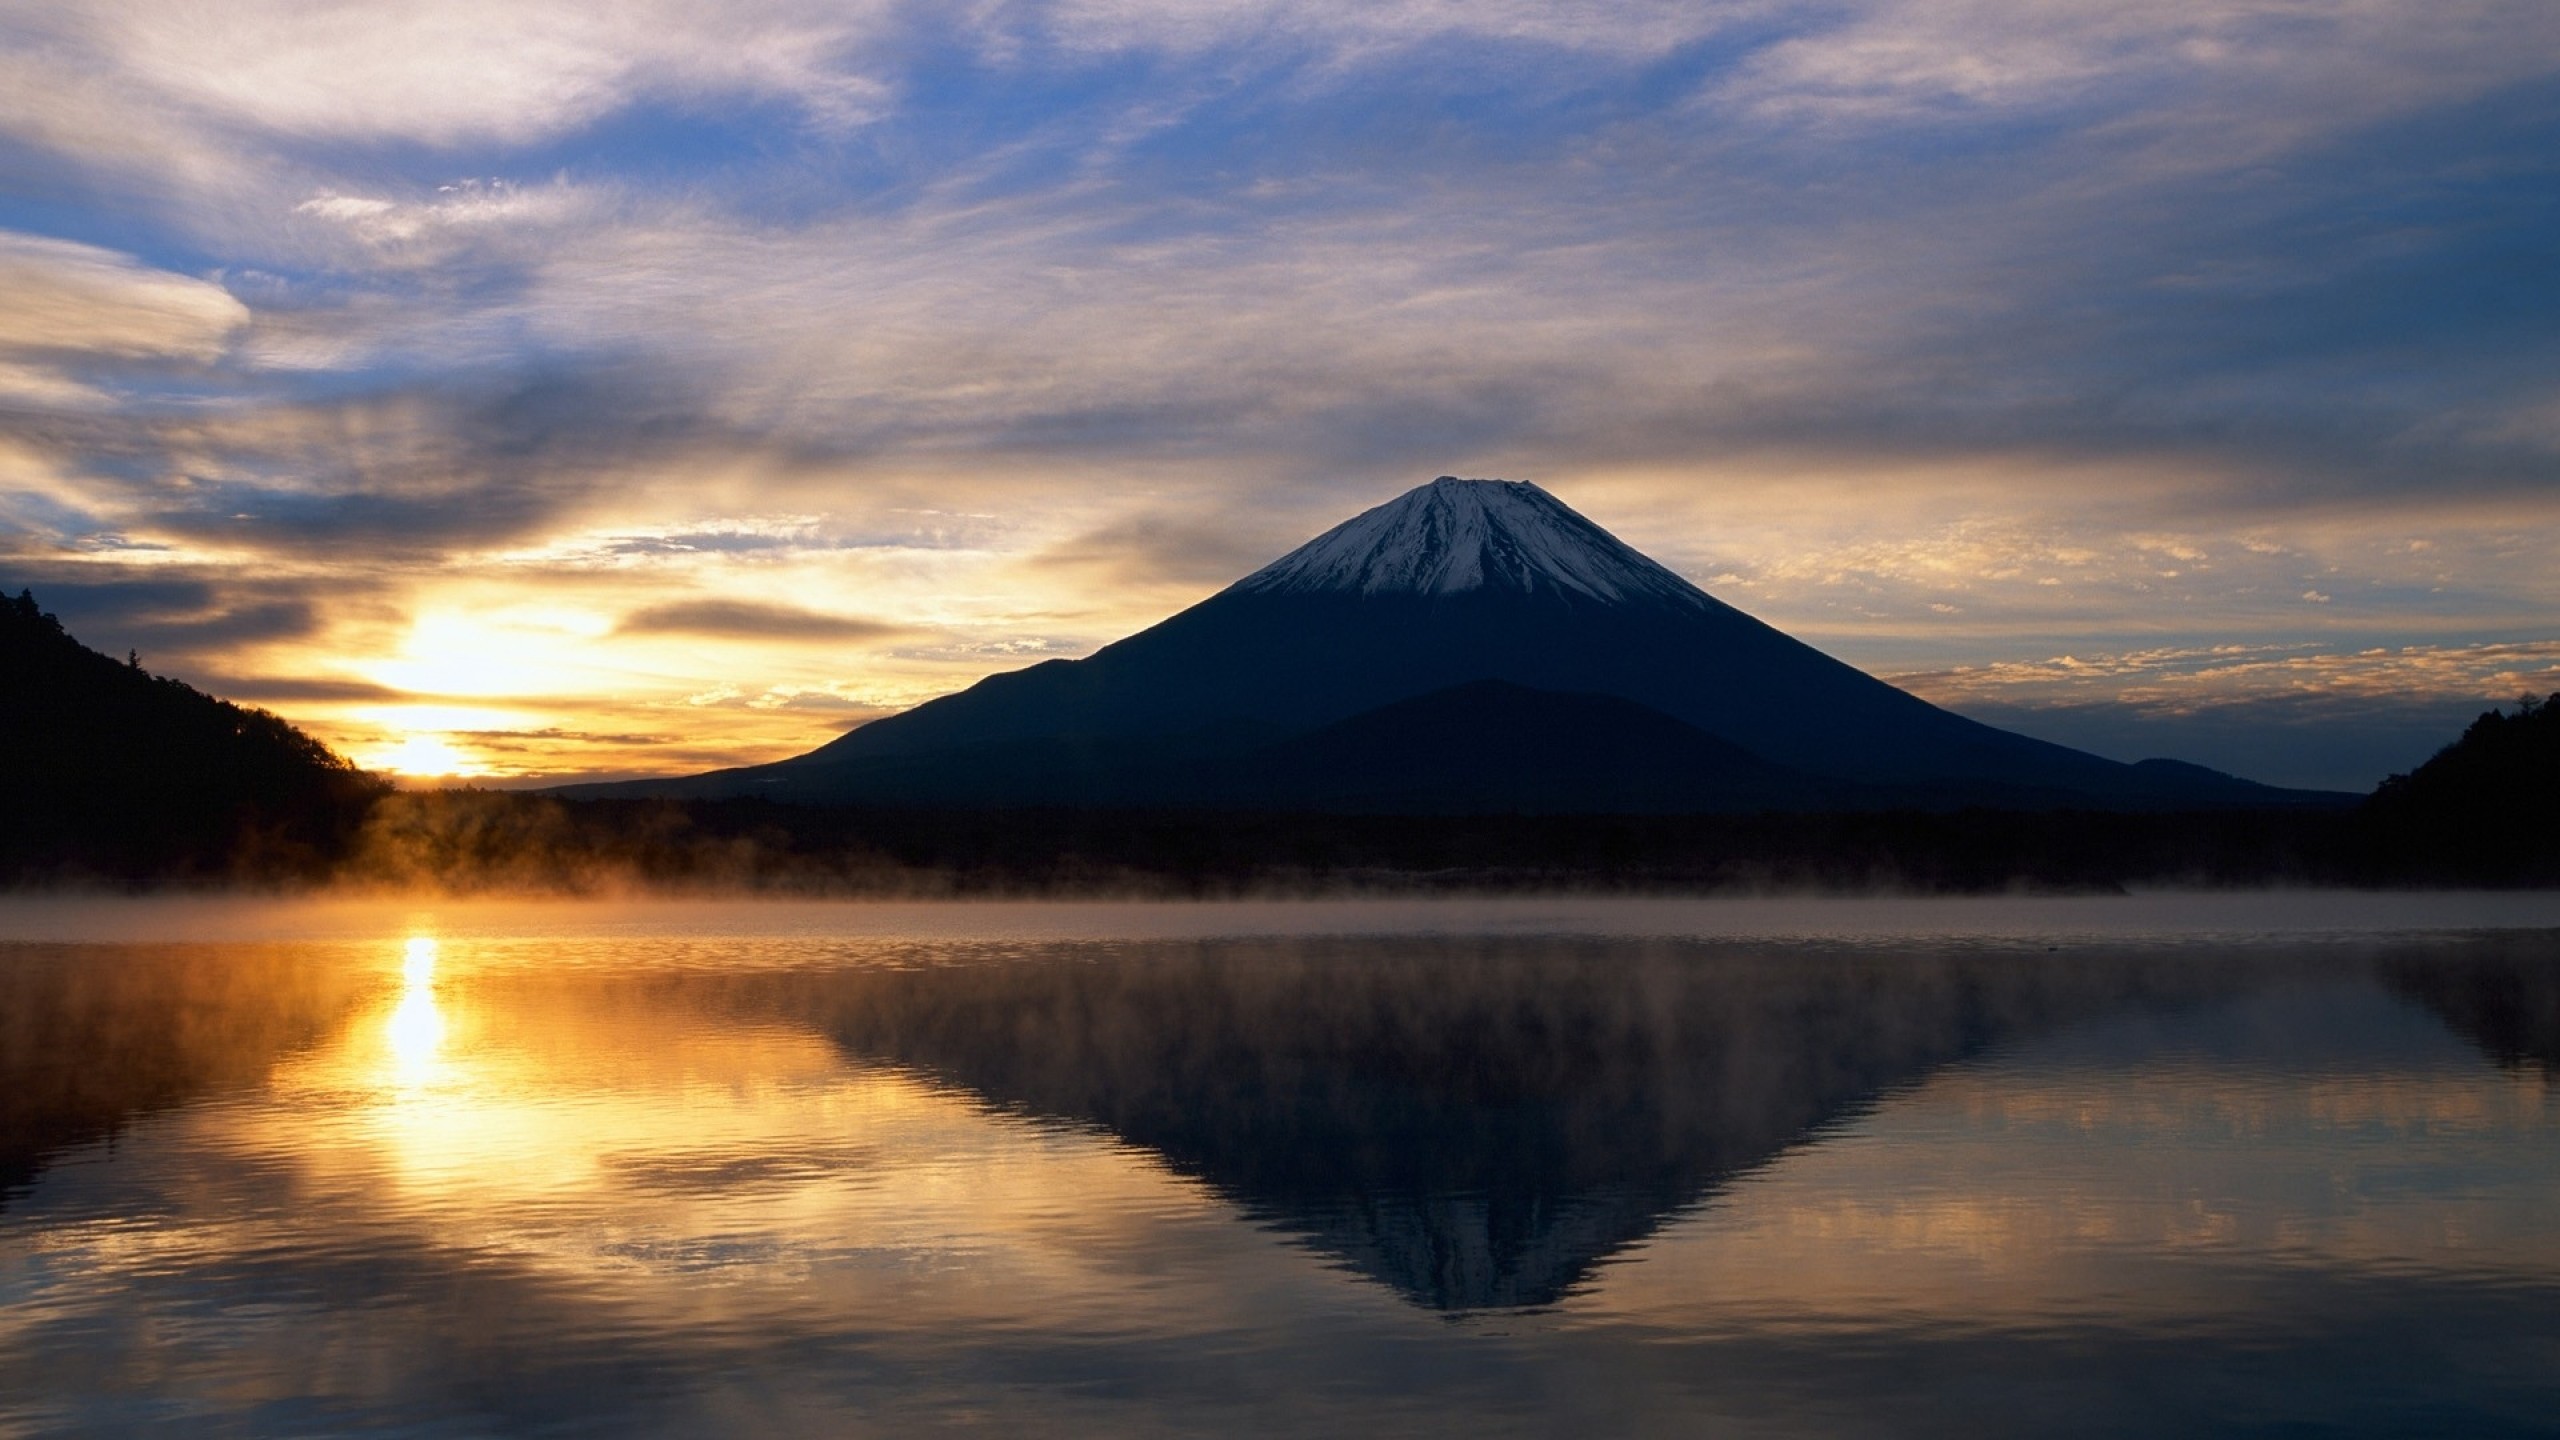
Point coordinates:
pixel 1454 582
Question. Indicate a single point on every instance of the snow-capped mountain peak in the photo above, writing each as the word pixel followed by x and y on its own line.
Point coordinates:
pixel 1455 535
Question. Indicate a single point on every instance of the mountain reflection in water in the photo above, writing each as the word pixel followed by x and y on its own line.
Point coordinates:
pixel 1472 1123
pixel 1496 1184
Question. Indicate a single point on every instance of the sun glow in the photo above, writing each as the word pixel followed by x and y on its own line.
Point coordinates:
pixel 423 757
pixel 451 654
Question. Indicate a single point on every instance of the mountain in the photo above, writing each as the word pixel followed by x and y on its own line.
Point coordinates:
pixel 1493 745
pixel 1454 583
pixel 108 771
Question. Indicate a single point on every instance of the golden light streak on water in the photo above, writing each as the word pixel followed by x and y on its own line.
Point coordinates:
pixel 416 1027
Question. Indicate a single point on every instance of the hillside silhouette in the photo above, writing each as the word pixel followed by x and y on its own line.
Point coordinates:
pixel 2484 810
pixel 108 772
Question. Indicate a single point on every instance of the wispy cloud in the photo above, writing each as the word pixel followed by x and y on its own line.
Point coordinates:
pixel 1636 29
pixel 2303 713
pixel 2184 679
pixel 750 620
pixel 455 73
pixel 2284 67
pixel 81 326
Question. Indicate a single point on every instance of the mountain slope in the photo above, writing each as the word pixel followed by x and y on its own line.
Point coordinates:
pixel 108 770
pixel 1467 580
pixel 1492 747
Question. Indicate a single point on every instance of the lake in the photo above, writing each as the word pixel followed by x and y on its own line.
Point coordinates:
pixel 2226 1164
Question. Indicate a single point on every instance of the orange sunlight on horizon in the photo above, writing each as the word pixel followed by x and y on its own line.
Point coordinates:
pixel 423 757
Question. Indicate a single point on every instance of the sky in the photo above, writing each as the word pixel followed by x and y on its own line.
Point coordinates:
pixel 527 391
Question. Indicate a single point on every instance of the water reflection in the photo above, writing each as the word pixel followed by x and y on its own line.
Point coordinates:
pixel 1473 1123
pixel 416 1027
pixel 1508 1185
pixel 2504 994
pixel 91 1037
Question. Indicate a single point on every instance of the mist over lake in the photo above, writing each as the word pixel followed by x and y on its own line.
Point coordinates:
pixel 2219 1164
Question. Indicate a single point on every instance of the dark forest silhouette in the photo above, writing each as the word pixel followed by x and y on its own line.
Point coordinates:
pixel 2485 810
pixel 111 774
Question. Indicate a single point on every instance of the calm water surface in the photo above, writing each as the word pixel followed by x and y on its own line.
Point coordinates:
pixel 2163 1166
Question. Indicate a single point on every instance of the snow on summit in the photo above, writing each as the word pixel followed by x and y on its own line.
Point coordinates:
pixel 1454 535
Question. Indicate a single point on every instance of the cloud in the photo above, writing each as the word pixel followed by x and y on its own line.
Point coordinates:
pixel 175 618
pixel 886 528
pixel 1634 29
pixel 1558 299
pixel 525 741
pixel 286 689
pixel 1155 549
pixel 2286 64
pixel 454 73
pixel 2186 679
pixel 1005 653
pixel 68 311
pixel 750 620
pixel 387 475
pixel 2300 714
pixel 437 228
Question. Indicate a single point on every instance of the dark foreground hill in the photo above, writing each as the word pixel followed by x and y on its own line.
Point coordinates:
pixel 2485 809
pixel 108 772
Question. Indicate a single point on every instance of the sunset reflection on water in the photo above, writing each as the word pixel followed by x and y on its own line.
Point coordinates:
pixel 1492 1184
pixel 416 1027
